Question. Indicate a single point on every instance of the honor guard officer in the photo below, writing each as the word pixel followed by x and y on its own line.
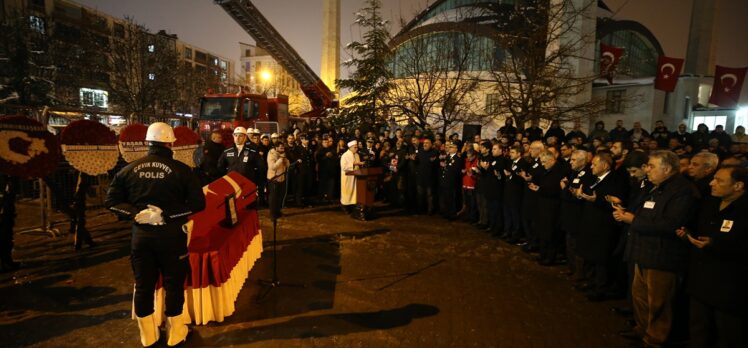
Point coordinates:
pixel 158 192
pixel 242 158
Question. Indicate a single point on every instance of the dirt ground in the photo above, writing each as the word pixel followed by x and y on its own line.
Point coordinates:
pixel 397 281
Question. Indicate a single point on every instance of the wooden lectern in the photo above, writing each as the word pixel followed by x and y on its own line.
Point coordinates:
pixel 366 185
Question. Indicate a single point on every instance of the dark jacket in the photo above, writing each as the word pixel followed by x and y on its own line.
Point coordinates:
pixel 450 177
pixel 248 163
pixel 426 166
pixel 548 206
pixel 718 274
pixel 599 233
pixel 571 206
pixel 514 184
pixel 663 210
pixel 156 179
pixel 211 153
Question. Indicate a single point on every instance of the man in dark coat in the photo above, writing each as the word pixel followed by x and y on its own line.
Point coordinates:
pixel 493 173
pixel 305 173
pixel 426 179
pixel 512 199
pixel 599 234
pixel 534 132
pixel 547 186
pixel 450 180
pixel 718 275
pixel 659 256
pixel 326 169
pixel 530 174
pixel 571 208
pixel 212 151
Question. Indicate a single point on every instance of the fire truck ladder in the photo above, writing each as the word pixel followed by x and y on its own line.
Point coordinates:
pixel 256 25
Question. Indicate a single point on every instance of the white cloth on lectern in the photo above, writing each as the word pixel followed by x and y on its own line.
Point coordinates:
pixel 348 182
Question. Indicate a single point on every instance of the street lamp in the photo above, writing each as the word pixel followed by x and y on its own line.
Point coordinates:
pixel 265 76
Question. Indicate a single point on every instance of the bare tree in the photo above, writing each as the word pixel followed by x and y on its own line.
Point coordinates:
pixel 144 69
pixel 26 70
pixel 436 80
pixel 548 44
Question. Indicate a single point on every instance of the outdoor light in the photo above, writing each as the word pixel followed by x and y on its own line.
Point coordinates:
pixel 265 75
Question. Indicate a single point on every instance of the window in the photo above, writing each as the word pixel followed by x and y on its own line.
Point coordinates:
pixel 94 97
pixel 214 61
pixel 201 57
pixel 187 53
pixel 224 64
pixel 151 76
pixel 37 24
pixel 614 101
pixel 151 48
pixel 492 103
pixel 710 121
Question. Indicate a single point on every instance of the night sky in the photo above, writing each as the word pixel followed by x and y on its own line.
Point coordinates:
pixel 206 25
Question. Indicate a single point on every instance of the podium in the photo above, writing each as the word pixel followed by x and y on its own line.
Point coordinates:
pixel 366 186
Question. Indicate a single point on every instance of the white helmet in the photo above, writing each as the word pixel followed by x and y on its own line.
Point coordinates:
pixel 160 132
pixel 240 130
pixel 255 131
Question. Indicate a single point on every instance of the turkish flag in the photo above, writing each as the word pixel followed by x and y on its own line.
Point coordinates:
pixel 727 85
pixel 609 58
pixel 668 71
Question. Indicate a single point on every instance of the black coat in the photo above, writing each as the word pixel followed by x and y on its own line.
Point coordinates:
pixel 718 274
pixel 450 177
pixel 514 185
pixel 491 177
pixel 571 206
pixel 530 197
pixel 548 198
pixel 599 233
pixel 426 167
pixel 663 210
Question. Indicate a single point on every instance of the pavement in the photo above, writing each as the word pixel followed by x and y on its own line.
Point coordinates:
pixel 397 281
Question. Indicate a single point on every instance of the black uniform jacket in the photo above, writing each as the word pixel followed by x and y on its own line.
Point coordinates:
pixel 451 173
pixel 599 234
pixel 248 163
pixel 158 180
pixel 718 274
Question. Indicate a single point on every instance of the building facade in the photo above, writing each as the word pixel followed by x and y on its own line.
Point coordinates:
pixel 87 49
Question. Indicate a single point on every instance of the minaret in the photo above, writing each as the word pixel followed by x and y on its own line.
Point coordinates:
pixel 694 85
pixel 330 70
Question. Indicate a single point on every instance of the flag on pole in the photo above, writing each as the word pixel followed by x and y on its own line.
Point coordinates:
pixel 668 71
pixel 727 85
pixel 609 58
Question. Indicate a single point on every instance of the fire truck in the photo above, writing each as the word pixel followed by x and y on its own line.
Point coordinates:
pixel 228 110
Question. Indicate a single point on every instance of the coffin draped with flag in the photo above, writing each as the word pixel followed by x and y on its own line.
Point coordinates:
pixel 224 243
pixel 728 82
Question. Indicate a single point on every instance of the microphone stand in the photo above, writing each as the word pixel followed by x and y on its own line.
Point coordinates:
pixel 274 282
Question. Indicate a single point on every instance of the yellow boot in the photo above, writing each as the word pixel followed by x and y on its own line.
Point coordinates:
pixel 177 330
pixel 149 333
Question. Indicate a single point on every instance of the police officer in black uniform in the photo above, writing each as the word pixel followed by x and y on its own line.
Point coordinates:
pixel 158 192
pixel 243 158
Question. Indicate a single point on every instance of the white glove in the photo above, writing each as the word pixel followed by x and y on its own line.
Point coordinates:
pixel 150 216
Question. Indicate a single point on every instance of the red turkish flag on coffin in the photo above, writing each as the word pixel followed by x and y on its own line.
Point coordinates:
pixel 609 58
pixel 727 85
pixel 668 71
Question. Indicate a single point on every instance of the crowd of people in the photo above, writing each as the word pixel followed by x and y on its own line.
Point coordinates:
pixel 648 216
